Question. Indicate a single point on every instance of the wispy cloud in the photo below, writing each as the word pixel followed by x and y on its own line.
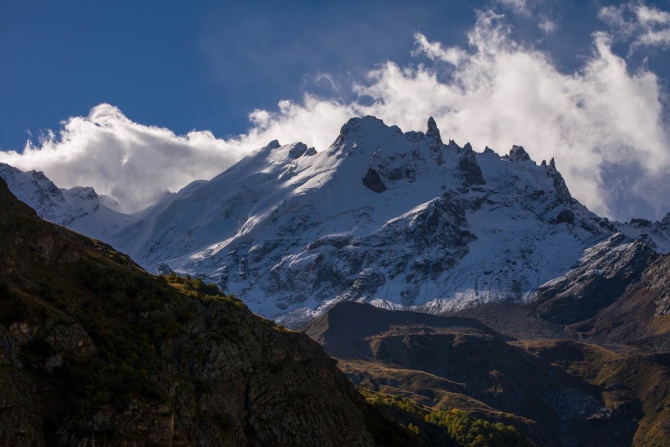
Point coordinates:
pixel 537 10
pixel 643 25
pixel 519 6
pixel 435 50
pixel 547 26
pixel 602 123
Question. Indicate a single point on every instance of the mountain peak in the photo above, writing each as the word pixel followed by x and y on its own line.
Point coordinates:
pixel 361 122
pixel 433 132
pixel 454 147
pixel 518 153
pixel 469 169
pixel 297 150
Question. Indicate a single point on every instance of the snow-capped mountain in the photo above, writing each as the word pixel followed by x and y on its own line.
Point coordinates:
pixel 396 219
pixel 79 208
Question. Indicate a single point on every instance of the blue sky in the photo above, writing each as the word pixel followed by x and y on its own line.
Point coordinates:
pixel 208 65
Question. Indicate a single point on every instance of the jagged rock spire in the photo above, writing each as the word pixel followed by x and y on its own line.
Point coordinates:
pixel 453 147
pixel 469 169
pixel 518 153
pixel 433 132
pixel 433 135
pixel 561 188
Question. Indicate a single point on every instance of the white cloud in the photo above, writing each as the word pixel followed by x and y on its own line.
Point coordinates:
pixel 518 6
pixel 435 50
pixel 136 164
pixel 602 123
pixel 528 8
pixel 547 26
pixel 643 25
pixel 504 94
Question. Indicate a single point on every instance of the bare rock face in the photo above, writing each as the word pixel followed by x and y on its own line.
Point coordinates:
pixel 565 216
pixel 469 169
pixel 562 193
pixel 435 142
pixel 433 132
pixel 63 336
pixel 373 181
pixel 297 150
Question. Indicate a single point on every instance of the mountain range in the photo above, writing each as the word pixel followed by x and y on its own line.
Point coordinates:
pixel 397 219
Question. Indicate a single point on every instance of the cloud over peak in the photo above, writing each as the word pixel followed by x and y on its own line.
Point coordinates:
pixel 603 124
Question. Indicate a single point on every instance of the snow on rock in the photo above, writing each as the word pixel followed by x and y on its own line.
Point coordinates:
pixel 381 216
pixel 400 220
pixel 79 208
pixel 598 279
pixel 655 234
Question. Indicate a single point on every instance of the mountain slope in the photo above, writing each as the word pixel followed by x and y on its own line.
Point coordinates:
pixel 352 323
pixel 640 315
pixel 559 392
pixel 93 351
pixel 616 295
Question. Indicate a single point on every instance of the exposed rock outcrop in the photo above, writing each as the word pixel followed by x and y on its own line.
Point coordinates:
pixel 373 181
pixel 518 153
pixel 469 168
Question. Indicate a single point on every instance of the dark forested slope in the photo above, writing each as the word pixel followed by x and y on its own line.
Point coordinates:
pixel 94 351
